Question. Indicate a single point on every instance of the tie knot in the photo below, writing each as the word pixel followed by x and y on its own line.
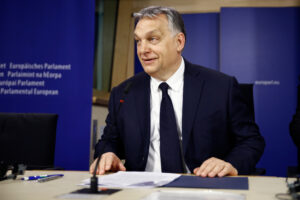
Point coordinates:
pixel 164 87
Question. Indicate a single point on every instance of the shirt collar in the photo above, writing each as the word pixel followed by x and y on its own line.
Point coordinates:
pixel 174 81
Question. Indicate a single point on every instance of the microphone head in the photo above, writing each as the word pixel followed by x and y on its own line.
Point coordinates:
pixel 127 87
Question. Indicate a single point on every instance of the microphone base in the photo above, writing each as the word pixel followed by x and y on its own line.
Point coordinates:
pixel 94 184
pixel 102 191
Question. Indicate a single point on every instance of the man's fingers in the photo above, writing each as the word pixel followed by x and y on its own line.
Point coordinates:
pixel 208 169
pixel 228 170
pixel 121 166
pixel 92 167
pixel 200 170
pixel 224 171
pixel 215 167
pixel 196 170
pixel 109 160
pixel 204 165
pixel 101 168
pixel 117 165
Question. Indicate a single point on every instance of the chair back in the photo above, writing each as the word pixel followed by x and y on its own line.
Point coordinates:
pixel 247 92
pixel 28 138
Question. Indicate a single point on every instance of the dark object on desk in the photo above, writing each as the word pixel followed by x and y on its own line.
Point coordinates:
pixel 293 191
pixel 3 169
pixel 235 183
pixel 16 169
pixel 100 191
pixel 28 139
pixel 295 134
pixel 94 179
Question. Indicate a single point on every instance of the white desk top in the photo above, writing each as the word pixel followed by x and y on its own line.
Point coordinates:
pixel 260 188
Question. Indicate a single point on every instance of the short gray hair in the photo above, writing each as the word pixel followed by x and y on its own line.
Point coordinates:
pixel 174 18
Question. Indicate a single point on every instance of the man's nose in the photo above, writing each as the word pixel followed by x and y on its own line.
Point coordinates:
pixel 144 47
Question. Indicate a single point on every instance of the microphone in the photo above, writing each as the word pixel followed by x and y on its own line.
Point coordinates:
pixel 126 89
pixel 181 154
pixel 94 178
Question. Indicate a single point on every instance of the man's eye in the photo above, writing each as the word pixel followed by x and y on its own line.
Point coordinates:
pixel 153 39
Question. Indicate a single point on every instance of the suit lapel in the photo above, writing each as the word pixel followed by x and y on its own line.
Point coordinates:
pixel 142 109
pixel 193 86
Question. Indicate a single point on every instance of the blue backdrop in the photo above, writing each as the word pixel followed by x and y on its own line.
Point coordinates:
pixel 46 63
pixel 261 46
pixel 202 44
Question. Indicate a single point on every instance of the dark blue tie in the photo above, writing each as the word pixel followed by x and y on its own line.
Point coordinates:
pixel 169 141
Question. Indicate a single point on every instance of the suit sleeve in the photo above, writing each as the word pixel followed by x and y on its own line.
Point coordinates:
pixel 110 140
pixel 248 144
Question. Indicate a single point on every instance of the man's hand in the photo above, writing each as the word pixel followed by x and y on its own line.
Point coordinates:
pixel 215 167
pixel 108 162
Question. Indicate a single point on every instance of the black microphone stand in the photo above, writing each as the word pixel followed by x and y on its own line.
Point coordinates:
pixel 94 178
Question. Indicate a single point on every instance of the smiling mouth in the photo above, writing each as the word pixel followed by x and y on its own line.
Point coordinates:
pixel 149 60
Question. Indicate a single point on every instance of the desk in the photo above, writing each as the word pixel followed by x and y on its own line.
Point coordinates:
pixel 259 188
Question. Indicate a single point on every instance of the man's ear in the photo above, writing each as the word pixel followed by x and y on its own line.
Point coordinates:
pixel 180 40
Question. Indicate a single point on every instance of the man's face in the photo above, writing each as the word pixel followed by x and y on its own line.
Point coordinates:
pixel 158 49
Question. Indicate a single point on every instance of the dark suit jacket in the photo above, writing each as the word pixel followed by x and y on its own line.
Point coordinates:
pixel 215 122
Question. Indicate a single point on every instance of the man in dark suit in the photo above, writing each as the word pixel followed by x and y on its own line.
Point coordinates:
pixel 176 116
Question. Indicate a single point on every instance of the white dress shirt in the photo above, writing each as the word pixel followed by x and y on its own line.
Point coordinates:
pixel 175 92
